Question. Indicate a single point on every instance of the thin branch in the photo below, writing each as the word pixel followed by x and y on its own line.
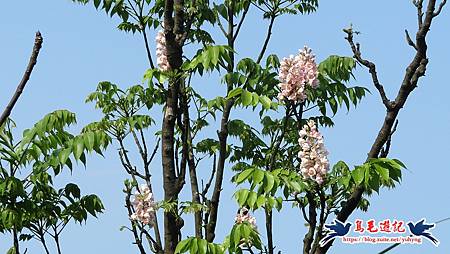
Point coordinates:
pixel 369 65
pixel 154 150
pixel 244 14
pixel 441 5
pixel 221 27
pixel 419 6
pixel 266 41
pixel 222 134
pixel 275 149
pixel 26 76
pixel 257 6
pixel 213 172
pixel 147 48
pixel 410 42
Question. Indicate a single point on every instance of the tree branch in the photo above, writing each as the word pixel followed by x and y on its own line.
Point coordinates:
pixel 266 41
pixel 223 135
pixel 415 70
pixel 244 14
pixel 441 5
pixel 26 76
pixel 369 65
pixel 410 42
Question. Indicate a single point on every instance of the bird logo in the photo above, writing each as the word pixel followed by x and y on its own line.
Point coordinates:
pixel 336 229
pixel 421 229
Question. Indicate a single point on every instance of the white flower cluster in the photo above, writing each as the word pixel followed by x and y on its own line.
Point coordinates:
pixel 144 206
pixel 161 52
pixel 314 162
pixel 296 73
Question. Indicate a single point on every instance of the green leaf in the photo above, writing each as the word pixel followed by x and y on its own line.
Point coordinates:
pixel 374 182
pixel 194 247
pixel 202 246
pixel 251 200
pixel 242 196
pixel 63 155
pixel 399 163
pixel 246 97
pixel 383 172
pixel 235 92
pixel 265 101
pixel 77 148
pixel 244 175
pixel 358 174
pixel 260 201
pixel 268 182
pixel 89 140
pixel 258 176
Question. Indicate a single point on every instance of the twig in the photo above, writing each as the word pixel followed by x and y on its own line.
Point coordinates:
pixel 410 42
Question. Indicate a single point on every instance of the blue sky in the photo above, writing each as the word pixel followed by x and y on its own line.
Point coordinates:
pixel 82 47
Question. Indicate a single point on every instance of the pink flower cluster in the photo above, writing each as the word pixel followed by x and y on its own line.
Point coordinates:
pixel 296 73
pixel 161 52
pixel 144 206
pixel 314 162
pixel 244 215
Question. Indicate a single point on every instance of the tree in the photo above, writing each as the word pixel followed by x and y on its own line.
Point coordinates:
pixel 30 206
pixel 284 161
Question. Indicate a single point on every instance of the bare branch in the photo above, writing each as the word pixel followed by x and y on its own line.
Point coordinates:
pixel 154 150
pixel 208 184
pixel 244 14
pixel 147 48
pixel 410 42
pixel 266 41
pixel 369 65
pixel 221 27
pixel 26 76
pixel 441 5
pixel 419 6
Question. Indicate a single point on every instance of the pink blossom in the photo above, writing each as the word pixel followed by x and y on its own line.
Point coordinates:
pixel 161 52
pixel 243 215
pixel 144 206
pixel 296 74
pixel 314 162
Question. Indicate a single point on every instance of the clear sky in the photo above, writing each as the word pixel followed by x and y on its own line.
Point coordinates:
pixel 82 47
